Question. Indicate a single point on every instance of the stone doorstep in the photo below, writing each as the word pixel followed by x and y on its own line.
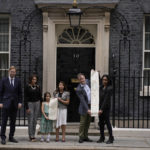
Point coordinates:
pixel 73 129
pixel 76 133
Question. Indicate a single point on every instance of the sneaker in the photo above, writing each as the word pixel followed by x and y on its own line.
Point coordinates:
pixel 42 140
pixel 48 140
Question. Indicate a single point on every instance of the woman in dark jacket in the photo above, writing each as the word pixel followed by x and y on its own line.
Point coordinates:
pixel 104 109
pixel 33 97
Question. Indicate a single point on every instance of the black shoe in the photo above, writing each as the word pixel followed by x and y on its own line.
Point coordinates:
pixel 3 141
pixel 13 140
pixel 101 140
pixel 81 140
pixel 88 140
pixel 110 140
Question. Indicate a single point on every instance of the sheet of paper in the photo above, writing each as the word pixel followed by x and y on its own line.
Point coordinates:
pixel 94 93
pixel 53 109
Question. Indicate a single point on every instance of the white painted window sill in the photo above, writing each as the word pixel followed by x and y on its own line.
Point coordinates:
pixel 146 91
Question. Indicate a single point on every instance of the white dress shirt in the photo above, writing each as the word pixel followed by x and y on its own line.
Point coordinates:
pixel 13 80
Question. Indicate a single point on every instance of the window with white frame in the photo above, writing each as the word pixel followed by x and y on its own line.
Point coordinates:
pixel 4 44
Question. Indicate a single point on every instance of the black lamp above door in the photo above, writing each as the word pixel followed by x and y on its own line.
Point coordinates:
pixel 74 15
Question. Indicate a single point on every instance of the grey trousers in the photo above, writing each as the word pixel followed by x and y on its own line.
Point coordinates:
pixel 32 117
pixel 84 126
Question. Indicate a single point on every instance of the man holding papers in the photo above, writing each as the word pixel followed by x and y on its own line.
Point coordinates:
pixel 83 91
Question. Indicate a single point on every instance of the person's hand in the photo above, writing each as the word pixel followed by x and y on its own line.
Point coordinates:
pixel 89 112
pixel 59 99
pixel 19 106
pixel 1 105
pixel 28 111
pixel 100 112
pixel 99 71
pixel 46 118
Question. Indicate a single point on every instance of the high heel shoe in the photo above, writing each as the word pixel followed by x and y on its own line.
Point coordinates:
pixel 101 140
pixel 57 140
pixel 110 140
pixel 63 140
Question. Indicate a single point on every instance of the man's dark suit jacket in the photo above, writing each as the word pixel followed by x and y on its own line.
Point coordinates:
pixel 10 95
pixel 105 98
pixel 81 93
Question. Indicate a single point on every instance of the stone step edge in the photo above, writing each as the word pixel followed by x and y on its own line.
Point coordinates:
pixel 76 133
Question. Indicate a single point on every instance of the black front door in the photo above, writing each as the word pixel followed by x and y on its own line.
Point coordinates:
pixel 70 62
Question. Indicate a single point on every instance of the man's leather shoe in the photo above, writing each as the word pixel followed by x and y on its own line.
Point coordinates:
pixel 3 141
pixel 88 140
pixel 13 140
pixel 81 140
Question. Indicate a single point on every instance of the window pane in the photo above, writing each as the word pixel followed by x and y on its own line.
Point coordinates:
pixel 147 60
pixel 4 25
pixel 146 77
pixel 147 41
pixel 4 59
pixel 3 73
pixel 147 23
pixel 4 34
pixel 4 42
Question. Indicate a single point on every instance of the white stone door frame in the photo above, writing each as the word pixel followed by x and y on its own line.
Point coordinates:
pixel 50 47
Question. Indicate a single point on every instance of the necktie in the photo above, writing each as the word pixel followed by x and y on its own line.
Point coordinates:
pixel 12 83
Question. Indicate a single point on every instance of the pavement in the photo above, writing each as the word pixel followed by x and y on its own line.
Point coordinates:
pixel 125 139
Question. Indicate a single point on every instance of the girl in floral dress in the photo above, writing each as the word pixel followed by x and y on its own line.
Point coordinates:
pixel 46 125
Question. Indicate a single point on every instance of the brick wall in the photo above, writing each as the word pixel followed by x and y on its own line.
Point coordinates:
pixel 19 10
pixel 127 92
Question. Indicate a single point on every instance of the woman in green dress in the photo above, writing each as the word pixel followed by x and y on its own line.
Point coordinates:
pixel 46 126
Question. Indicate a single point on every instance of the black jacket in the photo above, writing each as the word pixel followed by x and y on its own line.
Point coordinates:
pixel 105 98
pixel 9 95
pixel 32 95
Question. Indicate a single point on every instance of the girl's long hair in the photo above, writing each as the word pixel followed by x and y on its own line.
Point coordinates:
pixel 65 87
pixel 45 94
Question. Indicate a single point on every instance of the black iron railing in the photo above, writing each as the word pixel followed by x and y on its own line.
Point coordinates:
pixel 130 101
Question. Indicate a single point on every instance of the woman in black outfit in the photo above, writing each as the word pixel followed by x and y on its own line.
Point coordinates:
pixel 33 97
pixel 104 109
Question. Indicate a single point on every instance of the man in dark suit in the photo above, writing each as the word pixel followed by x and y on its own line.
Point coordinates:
pixel 10 102
pixel 83 91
